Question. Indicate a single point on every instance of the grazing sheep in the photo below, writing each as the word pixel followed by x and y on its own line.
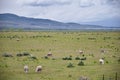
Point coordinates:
pixel 38 68
pixel 101 61
pixel 83 78
pixel 49 54
pixel 26 69
pixel 17 39
pixel 102 51
pixel 80 52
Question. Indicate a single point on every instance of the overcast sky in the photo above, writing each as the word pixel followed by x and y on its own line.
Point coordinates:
pixel 80 11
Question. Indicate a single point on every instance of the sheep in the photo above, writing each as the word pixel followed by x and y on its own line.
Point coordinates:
pixel 83 78
pixel 102 51
pixel 26 69
pixel 38 68
pixel 101 61
pixel 17 39
pixel 80 52
pixel 49 54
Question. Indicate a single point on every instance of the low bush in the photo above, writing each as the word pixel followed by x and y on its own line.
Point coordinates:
pixel 53 58
pixel 83 55
pixel 119 60
pixel 46 57
pixel 107 62
pixel 67 58
pixel 81 63
pixel 70 65
pixel 19 54
pixel 33 57
pixel 95 62
pixel 7 55
pixel 26 54
pixel 77 58
pixel 84 58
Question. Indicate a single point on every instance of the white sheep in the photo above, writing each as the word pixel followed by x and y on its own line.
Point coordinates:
pixel 26 69
pixel 38 68
pixel 80 52
pixel 101 61
pixel 49 54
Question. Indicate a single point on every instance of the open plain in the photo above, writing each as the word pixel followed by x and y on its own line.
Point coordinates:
pixel 62 44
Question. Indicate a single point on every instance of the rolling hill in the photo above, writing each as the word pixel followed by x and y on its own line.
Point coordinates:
pixel 8 21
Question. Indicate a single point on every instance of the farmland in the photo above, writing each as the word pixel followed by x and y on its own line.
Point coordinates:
pixel 61 44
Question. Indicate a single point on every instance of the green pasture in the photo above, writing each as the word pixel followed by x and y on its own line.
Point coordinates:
pixel 61 44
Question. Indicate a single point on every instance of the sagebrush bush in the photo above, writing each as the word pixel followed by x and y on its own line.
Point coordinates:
pixel 77 58
pixel 67 58
pixel 70 65
pixel 81 63
pixel 33 57
pixel 19 54
pixel 84 58
pixel 26 54
pixel 107 62
pixel 46 57
pixel 119 60
pixel 7 55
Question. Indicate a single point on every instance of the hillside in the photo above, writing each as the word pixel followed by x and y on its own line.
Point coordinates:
pixel 8 21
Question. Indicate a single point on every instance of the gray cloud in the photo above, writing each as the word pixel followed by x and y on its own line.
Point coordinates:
pixel 86 3
pixel 47 3
pixel 114 2
pixel 63 10
pixel 91 3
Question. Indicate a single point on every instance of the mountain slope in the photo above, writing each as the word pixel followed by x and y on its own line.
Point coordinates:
pixel 8 20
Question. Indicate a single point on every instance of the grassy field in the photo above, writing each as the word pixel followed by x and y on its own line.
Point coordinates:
pixel 60 44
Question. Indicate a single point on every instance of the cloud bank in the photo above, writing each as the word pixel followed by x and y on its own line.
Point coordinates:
pixel 63 10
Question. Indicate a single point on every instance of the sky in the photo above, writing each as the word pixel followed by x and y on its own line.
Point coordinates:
pixel 98 12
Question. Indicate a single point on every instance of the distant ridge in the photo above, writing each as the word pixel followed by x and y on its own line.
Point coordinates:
pixel 8 20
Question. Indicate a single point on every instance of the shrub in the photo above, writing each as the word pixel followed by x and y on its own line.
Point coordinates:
pixel 70 65
pixel 46 57
pixel 83 55
pixel 69 58
pixel 6 65
pixel 107 62
pixel 81 63
pixel 19 54
pixel 77 58
pixel 84 58
pixel 33 57
pixel 53 58
pixel 7 55
pixel 69 75
pixel 65 58
pixel 26 54
pixel 119 60
pixel 95 62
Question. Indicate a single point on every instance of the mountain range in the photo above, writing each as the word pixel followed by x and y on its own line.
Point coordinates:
pixel 8 21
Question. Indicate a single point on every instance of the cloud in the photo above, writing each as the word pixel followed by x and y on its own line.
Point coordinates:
pixel 63 10
pixel 85 3
pixel 44 3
